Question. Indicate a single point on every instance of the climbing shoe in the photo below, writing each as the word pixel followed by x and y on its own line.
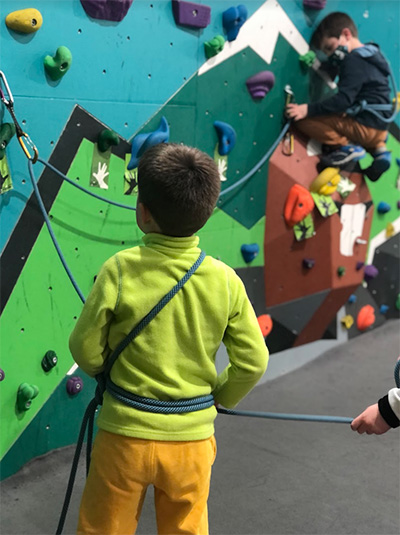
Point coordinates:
pixel 344 155
pixel 380 164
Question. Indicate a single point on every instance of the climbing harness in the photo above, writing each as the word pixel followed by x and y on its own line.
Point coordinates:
pixel 23 138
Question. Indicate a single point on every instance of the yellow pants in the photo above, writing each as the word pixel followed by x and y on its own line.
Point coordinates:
pixel 122 468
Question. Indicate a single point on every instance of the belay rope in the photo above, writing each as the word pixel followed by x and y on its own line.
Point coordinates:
pixel 104 382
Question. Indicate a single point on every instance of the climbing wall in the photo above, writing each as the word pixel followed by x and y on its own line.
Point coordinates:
pixel 124 77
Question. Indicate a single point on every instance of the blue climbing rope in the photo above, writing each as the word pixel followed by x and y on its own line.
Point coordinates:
pixel 260 163
pixel 64 177
pixel 51 232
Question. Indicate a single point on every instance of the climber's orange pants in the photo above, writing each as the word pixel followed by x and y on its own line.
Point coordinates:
pixel 122 468
pixel 341 130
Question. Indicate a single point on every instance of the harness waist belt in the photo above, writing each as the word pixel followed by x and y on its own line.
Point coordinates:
pixel 155 405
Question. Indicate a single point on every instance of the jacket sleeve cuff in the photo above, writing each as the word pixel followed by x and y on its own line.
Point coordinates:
pixel 387 413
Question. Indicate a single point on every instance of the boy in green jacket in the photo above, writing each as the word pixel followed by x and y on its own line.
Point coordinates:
pixel 173 358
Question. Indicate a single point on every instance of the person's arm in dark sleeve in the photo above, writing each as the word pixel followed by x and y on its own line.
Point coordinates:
pixel 349 85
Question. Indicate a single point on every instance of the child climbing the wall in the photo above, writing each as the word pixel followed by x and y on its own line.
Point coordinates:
pixel 173 357
pixel 343 123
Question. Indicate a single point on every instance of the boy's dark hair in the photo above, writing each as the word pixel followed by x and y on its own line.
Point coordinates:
pixel 332 26
pixel 180 186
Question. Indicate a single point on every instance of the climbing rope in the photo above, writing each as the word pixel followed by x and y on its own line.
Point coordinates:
pixel 260 163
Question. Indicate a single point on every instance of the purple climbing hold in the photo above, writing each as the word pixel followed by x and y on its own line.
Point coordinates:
pixel 226 137
pixel 314 4
pixel 233 19
pixel 114 10
pixel 142 142
pixel 370 272
pixel 308 263
pixel 2 375
pixel 191 14
pixel 359 265
pixel 74 385
pixel 260 84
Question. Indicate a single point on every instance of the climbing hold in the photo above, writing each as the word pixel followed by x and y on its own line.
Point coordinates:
pixel 265 323
pixel 383 207
pixel 352 298
pixel 233 19
pixel 390 230
pixel 299 204
pixel 308 263
pixel 191 14
pixel 74 385
pixel 366 317
pixel 347 321
pixel 314 4
pixel 359 265
pixel 370 272
pixel 49 360
pixel 2 375
pixel 24 20
pixel 142 142
pixel 260 84
pixel 397 303
pixel 326 182
pixel 398 205
pixel 308 58
pixel 341 270
pixel 26 393
pixel 249 251
pixel 57 66
pixel 7 130
pixel 214 46
pixel 383 309
pixel 114 10
pixel 226 137
pixel 106 139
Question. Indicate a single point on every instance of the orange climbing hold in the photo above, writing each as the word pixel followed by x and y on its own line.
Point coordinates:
pixel 265 323
pixel 299 204
pixel 366 317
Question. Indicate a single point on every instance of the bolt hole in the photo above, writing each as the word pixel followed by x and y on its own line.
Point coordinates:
pixel 79 31
pixel 104 71
pixel 22 329
pixel 63 66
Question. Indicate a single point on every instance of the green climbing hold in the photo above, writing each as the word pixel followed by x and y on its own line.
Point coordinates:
pixel 106 139
pixel 56 67
pixel 26 393
pixel 7 131
pixel 49 360
pixel 308 58
pixel 341 271
pixel 397 305
pixel 214 46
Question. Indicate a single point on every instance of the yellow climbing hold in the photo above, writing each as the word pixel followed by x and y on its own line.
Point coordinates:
pixel 24 20
pixel 326 182
pixel 390 230
pixel 347 321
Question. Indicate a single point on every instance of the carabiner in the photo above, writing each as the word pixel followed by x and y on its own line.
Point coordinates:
pixel 31 145
pixel 10 100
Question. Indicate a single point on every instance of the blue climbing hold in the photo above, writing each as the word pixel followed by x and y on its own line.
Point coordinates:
pixel 142 142
pixel 383 207
pixel 249 251
pixel 352 298
pixel 226 137
pixel 233 19
pixel 383 309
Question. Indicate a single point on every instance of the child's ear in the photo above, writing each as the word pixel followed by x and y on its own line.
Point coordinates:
pixel 144 212
pixel 347 33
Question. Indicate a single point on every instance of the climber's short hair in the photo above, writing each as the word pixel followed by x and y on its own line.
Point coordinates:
pixel 180 186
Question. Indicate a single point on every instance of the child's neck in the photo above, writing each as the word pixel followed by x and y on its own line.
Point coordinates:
pixel 354 43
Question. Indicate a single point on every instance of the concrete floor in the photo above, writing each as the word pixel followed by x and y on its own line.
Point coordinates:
pixel 270 477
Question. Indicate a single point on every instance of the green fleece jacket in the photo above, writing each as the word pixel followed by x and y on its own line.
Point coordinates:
pixel 174 356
